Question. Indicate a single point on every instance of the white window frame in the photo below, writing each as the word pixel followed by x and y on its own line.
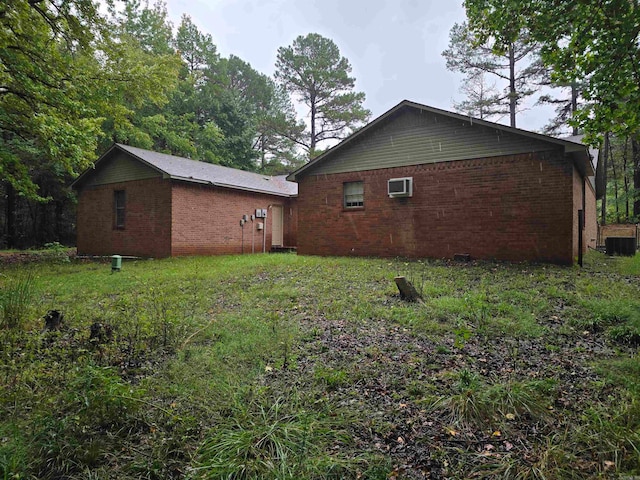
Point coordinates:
pixel 119 209
pixel 353 194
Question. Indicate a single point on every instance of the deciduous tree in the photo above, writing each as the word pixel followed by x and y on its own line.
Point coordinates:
pixel 594 41
pixel 43 86
pixel 69 77
pixel 47 129
pixel 135 76
pixel 597 41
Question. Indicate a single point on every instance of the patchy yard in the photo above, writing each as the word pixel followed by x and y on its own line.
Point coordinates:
pixel 299 367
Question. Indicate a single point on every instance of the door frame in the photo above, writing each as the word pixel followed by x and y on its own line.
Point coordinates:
pixel 277 218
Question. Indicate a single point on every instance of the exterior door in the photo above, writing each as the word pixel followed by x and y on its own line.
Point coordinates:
pixel 276 225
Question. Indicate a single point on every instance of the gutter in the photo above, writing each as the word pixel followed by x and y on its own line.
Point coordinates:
pixel 232 187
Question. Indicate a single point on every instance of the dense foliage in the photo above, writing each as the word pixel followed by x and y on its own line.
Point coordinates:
pixel 591 46
pixel 595 41
pixel 77 78
pixel 619 169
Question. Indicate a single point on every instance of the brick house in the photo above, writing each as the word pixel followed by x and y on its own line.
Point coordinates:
pixel 142 203
pixel 424 182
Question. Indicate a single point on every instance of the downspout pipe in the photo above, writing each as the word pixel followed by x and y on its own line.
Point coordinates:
pixel 264 233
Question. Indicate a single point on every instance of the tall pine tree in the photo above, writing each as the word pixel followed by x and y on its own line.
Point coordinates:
pixel 314 73
pixel 515 66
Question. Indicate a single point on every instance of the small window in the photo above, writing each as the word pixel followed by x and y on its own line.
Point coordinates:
pixel 119 200
pixel 353 194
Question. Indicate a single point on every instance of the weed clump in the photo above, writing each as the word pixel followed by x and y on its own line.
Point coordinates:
pixel 273 438
pixel 16 295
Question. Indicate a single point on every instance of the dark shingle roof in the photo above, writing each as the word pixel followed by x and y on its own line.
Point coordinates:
pixel 179 168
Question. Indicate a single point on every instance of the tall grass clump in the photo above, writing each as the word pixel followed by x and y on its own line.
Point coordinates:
pixel 273 439
pixel 16 294
pixel 629 265
pixel 14 452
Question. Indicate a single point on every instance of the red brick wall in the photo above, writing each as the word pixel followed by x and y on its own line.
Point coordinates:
pixel 591 218
pixel 590 232
pixel 577 205
pixel 517 207
pixel 147 219
pixel 290 215
pixel 206 220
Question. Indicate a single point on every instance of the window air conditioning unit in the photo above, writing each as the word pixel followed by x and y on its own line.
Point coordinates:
pixel 400 187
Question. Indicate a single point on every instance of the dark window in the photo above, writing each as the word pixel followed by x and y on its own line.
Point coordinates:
pixel 119 200
pixel 353 194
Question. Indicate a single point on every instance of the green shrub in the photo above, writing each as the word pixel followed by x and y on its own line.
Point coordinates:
pixel 56 252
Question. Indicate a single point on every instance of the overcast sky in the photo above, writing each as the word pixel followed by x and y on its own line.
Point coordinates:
pixel 394 46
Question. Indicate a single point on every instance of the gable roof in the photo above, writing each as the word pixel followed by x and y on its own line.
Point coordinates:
pixel 575 149
pixel 193 171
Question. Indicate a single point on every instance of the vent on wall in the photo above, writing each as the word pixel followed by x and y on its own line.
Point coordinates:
pixel 400 187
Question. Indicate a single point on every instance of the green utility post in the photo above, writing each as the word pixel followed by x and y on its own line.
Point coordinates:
pixel 116 263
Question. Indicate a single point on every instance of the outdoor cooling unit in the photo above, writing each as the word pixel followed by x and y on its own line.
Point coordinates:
pixel 400 187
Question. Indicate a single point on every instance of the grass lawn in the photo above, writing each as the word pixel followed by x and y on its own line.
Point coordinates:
pixel 292 367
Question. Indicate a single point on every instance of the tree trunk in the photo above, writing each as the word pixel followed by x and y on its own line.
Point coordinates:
pixel 513 101
pixel 59 233
pixel 615 185
pixel 11 216
pixel 574 105
pixel 603 181
pixel 635 145
pixel 625 178
pixel 312 144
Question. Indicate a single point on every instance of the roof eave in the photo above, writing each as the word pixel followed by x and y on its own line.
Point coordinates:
pixel 189 180
pixel 76 183
pixel 226 185
pixel 106 154
pixel 568 146
pixel 254 190
pixel 293 176
pixel 582 161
